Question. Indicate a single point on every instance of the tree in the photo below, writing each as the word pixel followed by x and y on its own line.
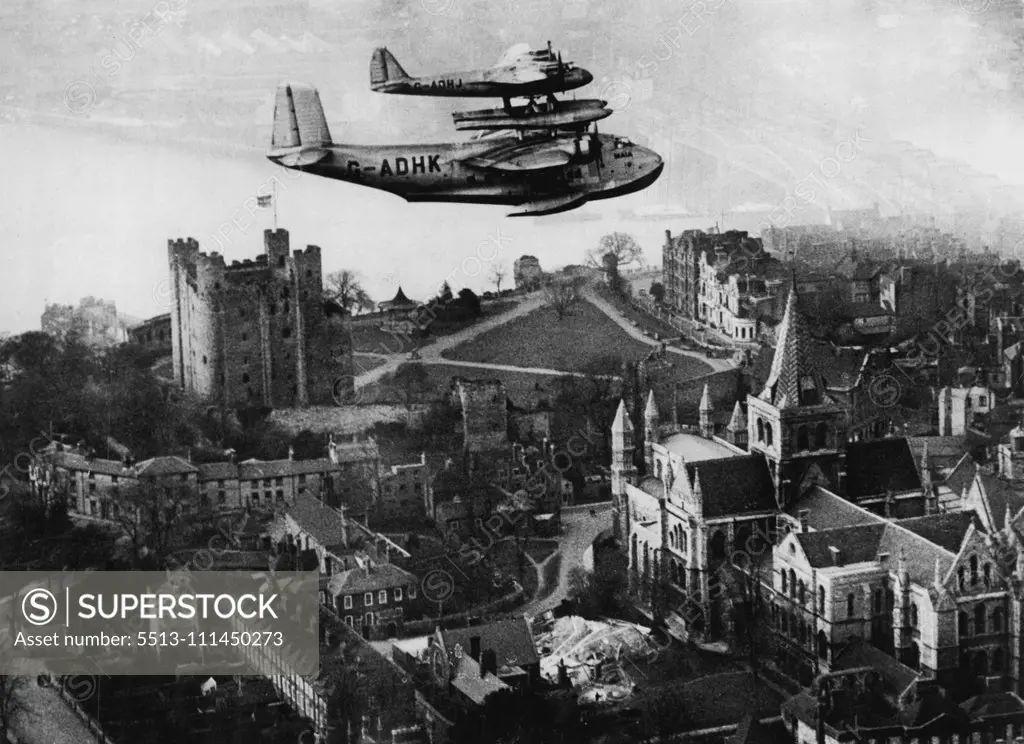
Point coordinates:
pixel 601 593
pixel 10 703
pixel 470 301
pixel 344 287
pixel 410 381
pixel 158 519
pixel 562 294
pixel 612 254
pixel 657 291
pixel 498 274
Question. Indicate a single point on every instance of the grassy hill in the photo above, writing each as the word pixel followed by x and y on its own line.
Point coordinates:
pixel 573 344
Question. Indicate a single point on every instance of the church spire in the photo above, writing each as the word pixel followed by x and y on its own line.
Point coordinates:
pixel 707 426
pixel 738 422
pixel 794 380
pixel 622 422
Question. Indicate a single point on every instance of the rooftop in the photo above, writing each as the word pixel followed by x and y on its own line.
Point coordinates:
pixel 695 448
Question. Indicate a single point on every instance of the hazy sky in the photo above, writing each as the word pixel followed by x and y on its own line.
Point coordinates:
pixel 769 85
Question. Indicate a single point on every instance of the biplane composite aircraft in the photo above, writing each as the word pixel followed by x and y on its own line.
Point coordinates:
pixel 539 171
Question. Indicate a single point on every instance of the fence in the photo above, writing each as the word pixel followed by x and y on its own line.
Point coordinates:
pixel 94 728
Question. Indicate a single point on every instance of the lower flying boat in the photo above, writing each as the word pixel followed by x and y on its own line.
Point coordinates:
pixel 538 172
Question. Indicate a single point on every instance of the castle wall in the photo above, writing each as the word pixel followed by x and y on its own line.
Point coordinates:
pixel 254 332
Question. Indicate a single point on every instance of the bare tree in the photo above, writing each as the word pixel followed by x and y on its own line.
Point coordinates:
pixel 562 294
pixel 344 287
pixel 612 253
pixel 158 519
pixel 10 703
pixel 498 274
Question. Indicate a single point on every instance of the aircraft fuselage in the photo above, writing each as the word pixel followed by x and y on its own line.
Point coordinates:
pixel 484 84
pixel 438 172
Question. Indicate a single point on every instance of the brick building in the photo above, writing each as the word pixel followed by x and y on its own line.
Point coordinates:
pixel 257 333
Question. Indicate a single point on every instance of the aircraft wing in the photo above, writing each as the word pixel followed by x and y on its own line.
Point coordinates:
pixel 531 156
pixel 548 206
pixel 514 53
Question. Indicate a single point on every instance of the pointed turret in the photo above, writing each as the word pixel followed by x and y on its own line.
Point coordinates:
pixel 707 427
pixel 736 431
pixel 622 422
pixel 738 422
pixel 793 380
pixel 651 424
pixel 651 409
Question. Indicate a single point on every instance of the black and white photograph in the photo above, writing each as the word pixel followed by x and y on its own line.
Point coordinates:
pixel 512 372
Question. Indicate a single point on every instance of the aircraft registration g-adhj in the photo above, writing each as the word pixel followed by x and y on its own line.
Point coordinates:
pixel 540 172
pixel 521 72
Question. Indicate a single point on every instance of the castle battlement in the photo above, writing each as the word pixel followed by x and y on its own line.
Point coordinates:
pixel 254 332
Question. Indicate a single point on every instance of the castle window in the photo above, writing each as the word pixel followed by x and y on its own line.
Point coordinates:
pixel 849 605
pixel 979 620
pixel 286 332
pixel 245 377
pixel 204 358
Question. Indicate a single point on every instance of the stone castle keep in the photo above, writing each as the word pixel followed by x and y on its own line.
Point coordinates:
pixel 257 333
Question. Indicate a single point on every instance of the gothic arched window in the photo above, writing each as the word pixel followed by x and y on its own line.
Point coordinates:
pixel 760 430
pixel 768 435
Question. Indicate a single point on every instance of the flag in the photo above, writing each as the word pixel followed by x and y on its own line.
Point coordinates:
pixel 264 201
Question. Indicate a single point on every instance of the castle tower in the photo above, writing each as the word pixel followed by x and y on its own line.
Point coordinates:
pixel 707 426
pixel 1011 454
pixel 736 430
pixel 793 422
pixel 651 423
pixel 623 470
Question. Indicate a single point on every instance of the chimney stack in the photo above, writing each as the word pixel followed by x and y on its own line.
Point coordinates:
pixel 836 555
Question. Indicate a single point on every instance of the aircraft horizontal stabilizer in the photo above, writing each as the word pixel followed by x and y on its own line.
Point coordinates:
pixel 293 157
pixel 549 206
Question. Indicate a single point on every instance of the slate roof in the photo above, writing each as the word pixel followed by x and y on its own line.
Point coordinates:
pixel 997 494
pixel 827 510
pixel 157 467
pixel 959 479
pixel 792 362
pixel 943 452
pixel 471 683
pixel 873 468
pixel 866 542
pixel 75 461
pixel 511 640
pixel 218 471
pixel 945 530
pixel 858 544
pixel 992 704
pixel 325 524
pixel 371 579
pixel 733 485
pixel 857 653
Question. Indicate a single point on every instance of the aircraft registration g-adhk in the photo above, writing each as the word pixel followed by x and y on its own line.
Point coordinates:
pixel 537 171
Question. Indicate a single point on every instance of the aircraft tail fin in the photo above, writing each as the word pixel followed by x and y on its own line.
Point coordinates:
pixel 299 120
pixel 384 69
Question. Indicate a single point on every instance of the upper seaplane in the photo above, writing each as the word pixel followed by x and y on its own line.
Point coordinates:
pixel 539 171
pixel 521 72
